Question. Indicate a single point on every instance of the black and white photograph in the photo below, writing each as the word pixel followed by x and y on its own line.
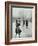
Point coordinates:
pixel 21 22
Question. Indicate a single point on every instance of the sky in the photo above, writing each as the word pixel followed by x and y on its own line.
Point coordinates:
pixel 21 12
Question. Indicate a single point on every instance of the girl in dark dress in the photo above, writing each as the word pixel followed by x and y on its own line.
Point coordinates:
pixel 18 30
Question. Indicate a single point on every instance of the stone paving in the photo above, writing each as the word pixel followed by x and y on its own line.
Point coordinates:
pixel 26 32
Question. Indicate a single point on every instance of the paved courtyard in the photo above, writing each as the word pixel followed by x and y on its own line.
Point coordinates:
pixel 26 32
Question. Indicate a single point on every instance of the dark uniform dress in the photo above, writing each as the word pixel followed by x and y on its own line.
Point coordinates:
pixel 18 30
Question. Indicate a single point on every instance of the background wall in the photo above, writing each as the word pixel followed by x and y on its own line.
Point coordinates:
pixel 2 22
